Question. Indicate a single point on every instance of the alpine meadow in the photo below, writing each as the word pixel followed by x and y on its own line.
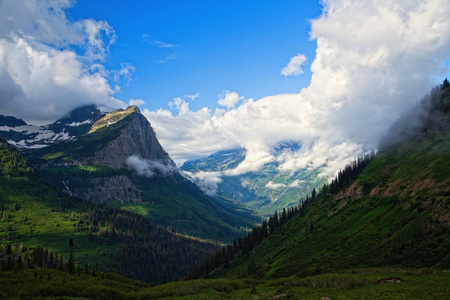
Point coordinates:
pixel 224 149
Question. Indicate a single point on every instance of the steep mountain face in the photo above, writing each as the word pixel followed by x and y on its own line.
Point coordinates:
pixel 119 161
pixel 26 137
pixel 35 214
pixel 264 191
pixel 138 139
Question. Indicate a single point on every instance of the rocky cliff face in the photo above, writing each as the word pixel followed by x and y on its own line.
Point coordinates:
pixel 96 165
pixel 137 138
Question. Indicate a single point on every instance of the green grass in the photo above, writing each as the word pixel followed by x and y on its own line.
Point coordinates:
pixel 358 284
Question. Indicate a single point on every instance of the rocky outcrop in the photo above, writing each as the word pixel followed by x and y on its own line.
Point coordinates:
pixel 137 138
pixel 108 189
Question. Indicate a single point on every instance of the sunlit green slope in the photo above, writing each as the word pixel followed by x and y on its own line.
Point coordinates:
pixel 33 213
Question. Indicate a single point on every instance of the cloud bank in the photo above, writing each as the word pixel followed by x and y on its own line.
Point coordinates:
pixel 39 67
pixel 374 59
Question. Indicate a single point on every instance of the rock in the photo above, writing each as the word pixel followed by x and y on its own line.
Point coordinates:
pixel 389 280
pixel 281 296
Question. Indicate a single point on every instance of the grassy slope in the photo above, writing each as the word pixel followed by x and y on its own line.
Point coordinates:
pixel 396 213
pixel 53 284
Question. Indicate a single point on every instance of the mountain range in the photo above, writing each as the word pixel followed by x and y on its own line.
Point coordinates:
pixel 265 190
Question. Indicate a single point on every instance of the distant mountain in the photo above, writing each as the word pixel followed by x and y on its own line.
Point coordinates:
pixel 26 137
pixel 119 161
pixel 11 121
pixel 35 214
pixel 266 190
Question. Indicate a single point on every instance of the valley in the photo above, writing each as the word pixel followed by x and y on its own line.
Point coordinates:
pixel 261 150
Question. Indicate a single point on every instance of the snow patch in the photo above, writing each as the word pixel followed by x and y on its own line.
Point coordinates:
pixel 76 124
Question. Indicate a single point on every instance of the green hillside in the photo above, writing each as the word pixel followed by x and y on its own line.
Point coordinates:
pixel 33 213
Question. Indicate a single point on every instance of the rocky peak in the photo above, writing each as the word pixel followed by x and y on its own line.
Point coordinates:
pixel 11 121
pixel 114 117
pixel 136 138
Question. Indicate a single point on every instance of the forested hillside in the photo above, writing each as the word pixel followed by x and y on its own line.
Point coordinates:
pixel 35 214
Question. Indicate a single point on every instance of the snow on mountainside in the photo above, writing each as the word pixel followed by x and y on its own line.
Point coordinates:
pixel 27 137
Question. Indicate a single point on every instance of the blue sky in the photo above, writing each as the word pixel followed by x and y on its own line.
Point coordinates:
pixel 218 45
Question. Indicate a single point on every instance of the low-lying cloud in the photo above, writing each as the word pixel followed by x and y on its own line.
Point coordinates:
pixel 150 168
pixel 206 181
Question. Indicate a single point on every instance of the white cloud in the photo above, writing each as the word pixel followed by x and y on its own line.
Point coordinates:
pixel 136 102
pixel 374 59
pixel 294 67
pixel 149 168
pixel 296 183
pixel 206 181
pixel 126 70
pixel 39 71
pixel 229 99
pixel 275 186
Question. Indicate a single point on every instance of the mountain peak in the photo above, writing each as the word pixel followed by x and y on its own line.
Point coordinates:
pixel 114 117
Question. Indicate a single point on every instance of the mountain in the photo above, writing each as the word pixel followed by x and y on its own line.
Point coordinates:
pixel 389 210
pixel 265 190
pixel 35 214
pixel 26 137
pixel 120 162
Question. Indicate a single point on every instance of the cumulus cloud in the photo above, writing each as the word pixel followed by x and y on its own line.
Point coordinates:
pixel 294 67
pixel 150 168
pixel 40 71
pixel 374 59
pixel 229 99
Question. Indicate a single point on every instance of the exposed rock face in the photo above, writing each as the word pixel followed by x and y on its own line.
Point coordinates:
pixel 94 166
pixel 137 138
pixel 115 188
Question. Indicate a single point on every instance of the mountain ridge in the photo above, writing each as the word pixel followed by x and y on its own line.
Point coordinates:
pixel 120 162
